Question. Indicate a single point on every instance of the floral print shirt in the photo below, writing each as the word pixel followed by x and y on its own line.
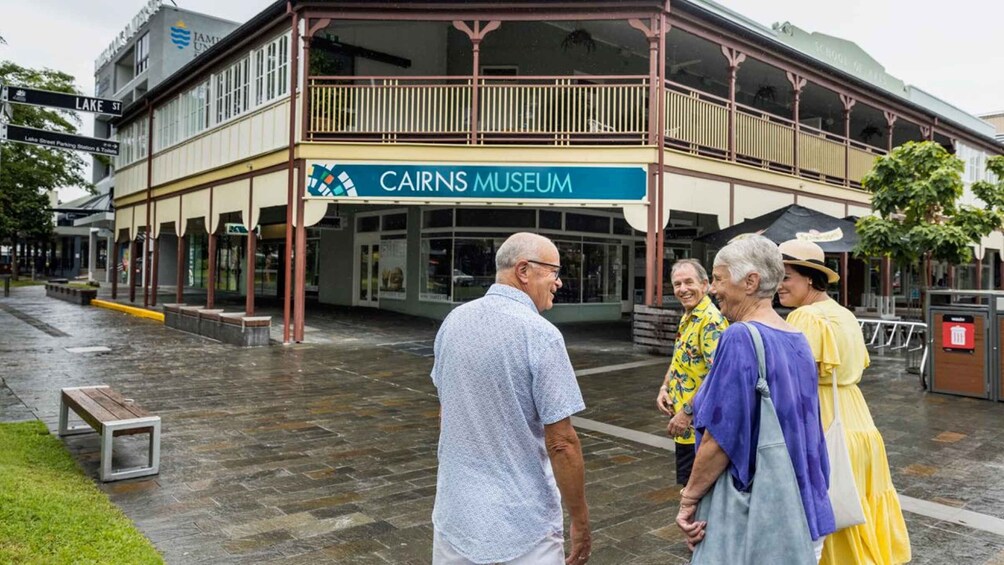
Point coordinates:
pixel 693 353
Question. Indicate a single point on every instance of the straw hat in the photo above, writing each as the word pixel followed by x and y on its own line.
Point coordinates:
pixel 807 254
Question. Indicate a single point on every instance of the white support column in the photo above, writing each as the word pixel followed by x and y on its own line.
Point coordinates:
pixel 92 253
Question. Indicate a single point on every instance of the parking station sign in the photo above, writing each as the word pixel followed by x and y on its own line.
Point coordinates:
pixel 465 183
pixel 58 140
pixel 958 333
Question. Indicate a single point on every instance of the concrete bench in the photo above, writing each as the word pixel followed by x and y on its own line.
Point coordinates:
pixel 76 295
pixel 110 415
pixel 233 328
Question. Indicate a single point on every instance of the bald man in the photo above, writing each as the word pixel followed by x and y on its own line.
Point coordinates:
pixel 508 455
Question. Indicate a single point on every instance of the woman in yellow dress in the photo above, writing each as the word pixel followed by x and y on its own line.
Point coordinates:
pixel 838 344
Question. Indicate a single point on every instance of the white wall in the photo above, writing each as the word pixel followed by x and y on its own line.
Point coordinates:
pixel 835 209
pixel 693 194
pixel 752 202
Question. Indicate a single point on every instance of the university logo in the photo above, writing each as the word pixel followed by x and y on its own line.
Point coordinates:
pixel 180 35
pixel 326 182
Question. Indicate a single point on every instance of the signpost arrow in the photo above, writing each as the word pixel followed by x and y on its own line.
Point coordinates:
pixel 36 97
pixel 59 140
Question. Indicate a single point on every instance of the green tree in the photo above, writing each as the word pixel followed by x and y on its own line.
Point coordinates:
pixel 27 172
pixel 916 190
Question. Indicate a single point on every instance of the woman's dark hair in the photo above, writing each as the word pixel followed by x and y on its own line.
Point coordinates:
pixel 818 279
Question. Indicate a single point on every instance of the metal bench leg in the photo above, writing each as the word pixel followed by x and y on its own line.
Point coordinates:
pixel 64 419
pixel 107 440
pixel 153 454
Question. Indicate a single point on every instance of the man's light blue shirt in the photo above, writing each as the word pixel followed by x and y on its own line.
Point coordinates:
pixel 502 373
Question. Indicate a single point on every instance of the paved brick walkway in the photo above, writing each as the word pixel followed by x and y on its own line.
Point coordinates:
pixel 324 452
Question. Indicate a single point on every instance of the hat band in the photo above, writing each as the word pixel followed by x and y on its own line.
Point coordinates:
pixel 787 257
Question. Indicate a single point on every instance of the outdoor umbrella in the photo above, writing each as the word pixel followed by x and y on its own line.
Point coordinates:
pixel 834 235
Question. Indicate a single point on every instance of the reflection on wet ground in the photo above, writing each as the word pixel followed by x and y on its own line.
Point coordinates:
pixel 326 451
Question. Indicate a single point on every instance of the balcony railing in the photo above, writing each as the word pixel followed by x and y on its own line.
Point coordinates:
pixel 554 110
pixel 697 122
pixel 573 110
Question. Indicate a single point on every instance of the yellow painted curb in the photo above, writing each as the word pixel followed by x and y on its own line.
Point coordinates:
pixel 139 312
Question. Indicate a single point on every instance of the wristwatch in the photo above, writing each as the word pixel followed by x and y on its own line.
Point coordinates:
pixel 688 409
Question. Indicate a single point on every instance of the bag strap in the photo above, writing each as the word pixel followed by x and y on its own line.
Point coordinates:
pixel 836 401
pixel 761 382
pixel 833 380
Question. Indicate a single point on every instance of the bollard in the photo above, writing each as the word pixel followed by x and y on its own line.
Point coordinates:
pixel 6 286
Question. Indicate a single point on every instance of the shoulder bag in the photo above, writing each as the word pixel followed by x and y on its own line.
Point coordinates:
pixel 766 524
pixel 843 492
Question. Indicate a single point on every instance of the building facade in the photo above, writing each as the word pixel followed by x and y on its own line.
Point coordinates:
pixel 996 119
pixel 157 42
pixel 393 148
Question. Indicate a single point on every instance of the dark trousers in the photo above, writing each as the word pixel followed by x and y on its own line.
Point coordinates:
pixel 684 462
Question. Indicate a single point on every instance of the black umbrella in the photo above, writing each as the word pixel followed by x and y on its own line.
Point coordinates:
pixel 834 235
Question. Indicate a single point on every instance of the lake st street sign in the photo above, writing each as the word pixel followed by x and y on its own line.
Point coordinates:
pixel 46 138
pixel 35 97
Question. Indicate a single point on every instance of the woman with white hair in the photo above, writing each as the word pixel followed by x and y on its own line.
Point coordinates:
pixel 728 411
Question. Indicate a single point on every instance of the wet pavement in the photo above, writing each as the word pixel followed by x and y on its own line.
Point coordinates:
pixel 325 451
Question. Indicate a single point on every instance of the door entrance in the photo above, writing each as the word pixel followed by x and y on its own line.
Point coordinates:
pixel 367 272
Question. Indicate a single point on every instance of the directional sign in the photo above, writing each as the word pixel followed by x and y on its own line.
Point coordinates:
pixel 239 229
pixel 35 97
pixel 58 140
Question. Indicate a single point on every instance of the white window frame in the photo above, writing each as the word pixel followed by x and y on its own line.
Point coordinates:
pixel 258 78
pixel 141 60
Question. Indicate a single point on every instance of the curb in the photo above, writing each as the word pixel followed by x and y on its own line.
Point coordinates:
pixel 131 310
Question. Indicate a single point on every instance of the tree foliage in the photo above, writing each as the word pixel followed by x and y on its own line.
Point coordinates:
pixel 28 172
pixel 916 190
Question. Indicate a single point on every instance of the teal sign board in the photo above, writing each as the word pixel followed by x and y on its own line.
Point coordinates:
pixel 477 182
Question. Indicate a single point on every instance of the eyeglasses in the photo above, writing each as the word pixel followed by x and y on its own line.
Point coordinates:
pixel 557 268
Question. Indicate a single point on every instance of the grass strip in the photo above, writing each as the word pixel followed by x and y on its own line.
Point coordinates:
pixel 24 282
pixel 51 513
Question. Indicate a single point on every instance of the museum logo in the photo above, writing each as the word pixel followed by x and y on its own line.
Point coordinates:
pixel 326 182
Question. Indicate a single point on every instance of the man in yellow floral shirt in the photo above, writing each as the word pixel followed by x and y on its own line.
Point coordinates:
pixel 696 340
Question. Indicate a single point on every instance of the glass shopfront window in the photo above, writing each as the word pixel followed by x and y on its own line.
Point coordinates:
pixel 474 267
pixel 600 273
pixel 230 259
pixel 437 259
pixel 197 250
pixel 571 272
pixel 268 266
pixel 313 262
pixel 459 267
pixel 463 268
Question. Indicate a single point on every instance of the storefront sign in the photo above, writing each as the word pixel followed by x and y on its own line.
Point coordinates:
pixel 474 183
pixel 239 229
pixel 958 333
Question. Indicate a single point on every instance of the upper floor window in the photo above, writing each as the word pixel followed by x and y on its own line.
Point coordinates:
pixel 271 65
pixel 142 54
pixel 258 78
